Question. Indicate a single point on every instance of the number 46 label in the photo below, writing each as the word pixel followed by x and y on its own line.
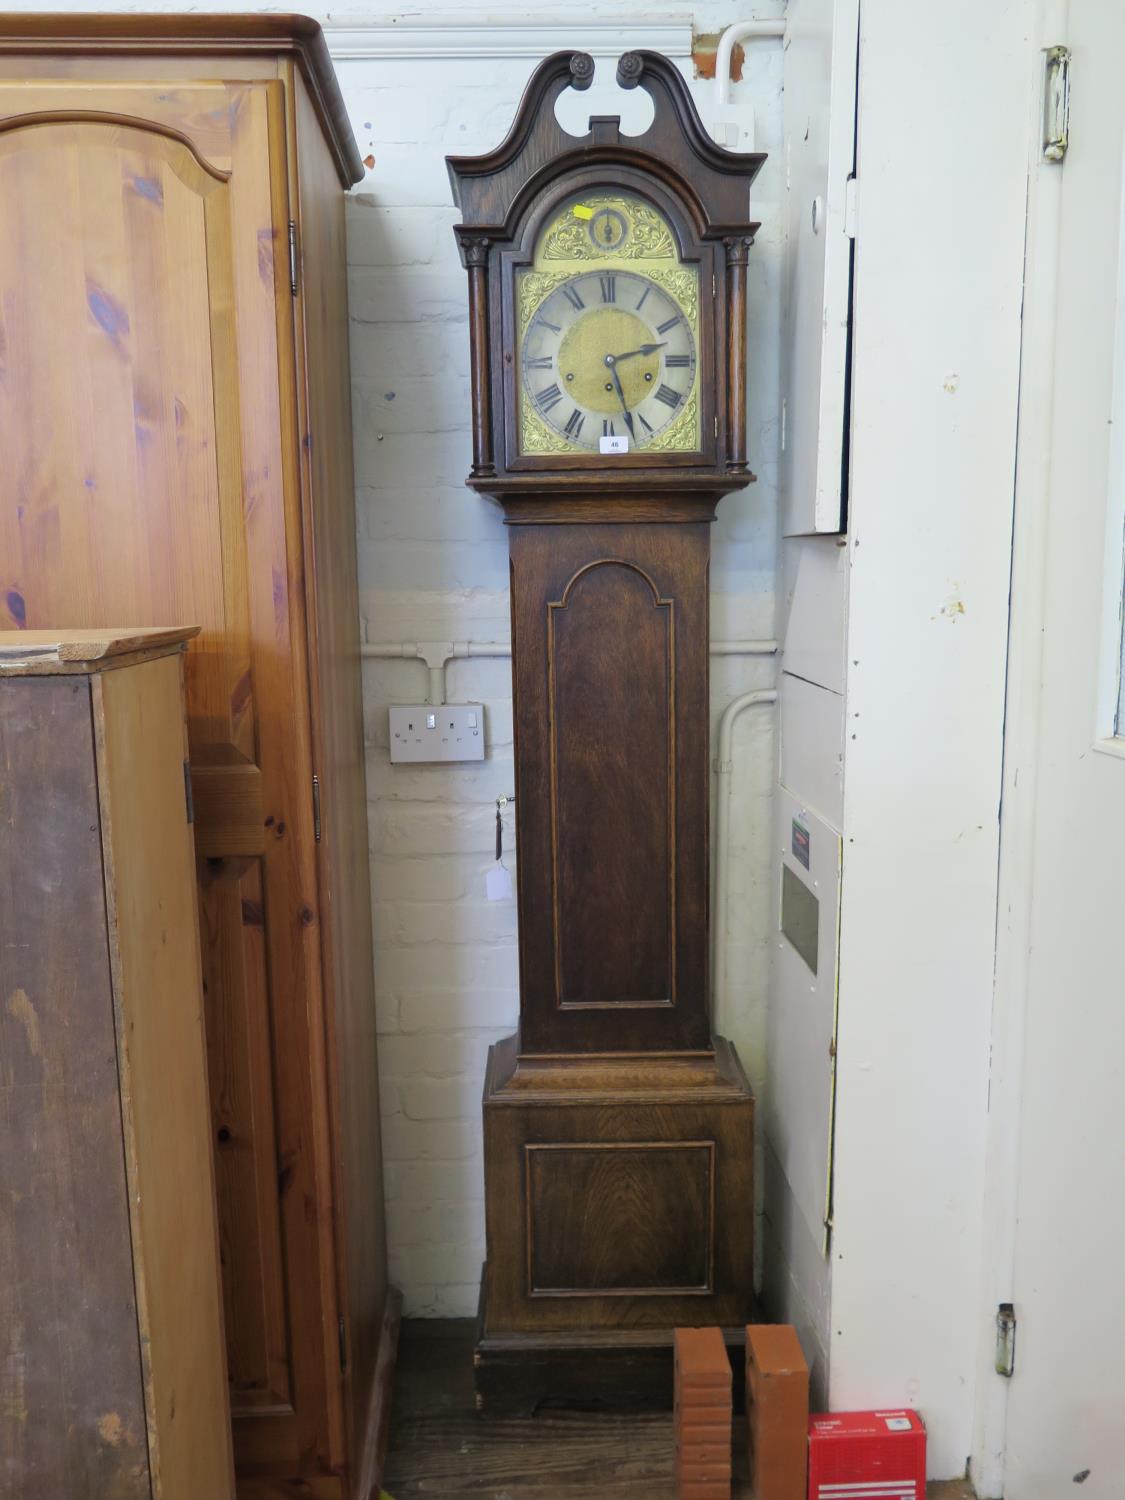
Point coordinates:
pixel 614 444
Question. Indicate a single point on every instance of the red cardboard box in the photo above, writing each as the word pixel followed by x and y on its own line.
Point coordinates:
pixel 867 1455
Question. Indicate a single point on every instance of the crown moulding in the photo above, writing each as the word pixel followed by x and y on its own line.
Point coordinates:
pixel 502 39
pixel 492 189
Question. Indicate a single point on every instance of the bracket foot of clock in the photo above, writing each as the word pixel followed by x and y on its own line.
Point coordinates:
pixel 610 1369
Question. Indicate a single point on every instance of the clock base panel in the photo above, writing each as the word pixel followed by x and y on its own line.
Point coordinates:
pixel 517 1374
pixel 619 1194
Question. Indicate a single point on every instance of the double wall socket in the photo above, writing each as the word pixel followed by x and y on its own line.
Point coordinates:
pixel 437 731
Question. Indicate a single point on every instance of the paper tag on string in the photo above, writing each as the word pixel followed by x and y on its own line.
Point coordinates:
pixel 498 884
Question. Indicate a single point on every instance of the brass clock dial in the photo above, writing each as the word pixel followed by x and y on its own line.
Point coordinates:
pixel 608 334
pixel 608 353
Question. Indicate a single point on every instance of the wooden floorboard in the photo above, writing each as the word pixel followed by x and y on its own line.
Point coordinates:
pixel 441 1446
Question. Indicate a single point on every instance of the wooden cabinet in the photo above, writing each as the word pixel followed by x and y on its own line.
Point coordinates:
pixel 175 425
pixel 111 1385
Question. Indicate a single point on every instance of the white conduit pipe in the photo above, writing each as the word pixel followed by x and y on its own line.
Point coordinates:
pixel 725 128
pixel 724 765
pixel 437 653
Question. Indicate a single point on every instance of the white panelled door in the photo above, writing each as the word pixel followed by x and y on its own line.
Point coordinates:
pixel 1066 1404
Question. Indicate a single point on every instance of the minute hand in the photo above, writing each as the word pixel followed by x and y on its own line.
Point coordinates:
pixel 644 349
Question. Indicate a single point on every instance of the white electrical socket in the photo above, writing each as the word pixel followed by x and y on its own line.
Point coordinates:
pixel 436 731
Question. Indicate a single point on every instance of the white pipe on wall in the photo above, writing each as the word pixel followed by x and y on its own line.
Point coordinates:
pixel 724 765
pixel 436 654
pixel 726 127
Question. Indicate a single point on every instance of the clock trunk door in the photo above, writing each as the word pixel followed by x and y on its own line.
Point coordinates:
pixel 142 259
pixel 610 623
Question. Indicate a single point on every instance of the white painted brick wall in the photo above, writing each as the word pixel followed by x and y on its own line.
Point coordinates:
pixel 433 565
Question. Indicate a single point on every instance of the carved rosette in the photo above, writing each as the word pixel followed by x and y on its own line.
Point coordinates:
pixel 630 67
pixel 581 70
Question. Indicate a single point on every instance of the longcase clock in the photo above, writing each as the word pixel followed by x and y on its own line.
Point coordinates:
pixel 607 288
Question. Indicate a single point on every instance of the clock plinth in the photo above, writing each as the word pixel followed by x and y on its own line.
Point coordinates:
pixel 619 1193
pixel 607 313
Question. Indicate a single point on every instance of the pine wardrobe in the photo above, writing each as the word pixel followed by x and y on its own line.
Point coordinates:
pixel 176 445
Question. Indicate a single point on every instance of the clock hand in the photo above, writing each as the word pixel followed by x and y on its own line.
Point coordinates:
pixel 612 363
pixel 644 349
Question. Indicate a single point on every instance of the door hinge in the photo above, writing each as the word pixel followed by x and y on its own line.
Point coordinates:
pixel 316 808
pixel 189 800
pixel 293 256
pixel 1005 1339
pixel 851 190
pixel 1056 103
pixel 343 1346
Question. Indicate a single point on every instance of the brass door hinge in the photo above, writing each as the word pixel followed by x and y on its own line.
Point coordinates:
pixel 316 808
pixel 1056 104
pixel 1005 1340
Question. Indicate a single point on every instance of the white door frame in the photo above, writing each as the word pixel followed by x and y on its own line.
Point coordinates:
pixel 1021 765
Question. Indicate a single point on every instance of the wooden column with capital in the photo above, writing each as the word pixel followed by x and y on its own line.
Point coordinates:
pixel 607 283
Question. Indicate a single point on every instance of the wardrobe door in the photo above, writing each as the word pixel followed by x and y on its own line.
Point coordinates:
pixel 149 476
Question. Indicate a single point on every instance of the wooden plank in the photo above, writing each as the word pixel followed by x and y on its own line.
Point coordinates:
pixel 442 1446
pixel 158 1001
pixel 72 1417
pixel 372 1461
pixel 265 1487
pixel 248 1172
pixel 271 434
pixel 344 873
pixel 230 817
pixel 47 646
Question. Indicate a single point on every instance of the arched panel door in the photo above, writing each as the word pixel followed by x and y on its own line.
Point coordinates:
pixel 610 684
pixel 144 391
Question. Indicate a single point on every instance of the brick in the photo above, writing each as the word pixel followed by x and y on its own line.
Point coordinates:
pixel 709 1439
pixel 704 1473
pixel 702 1386
pixel 701 1357
pixel 703 1396
pixel 445 1010
pixel 694 1451
pixel 777 1403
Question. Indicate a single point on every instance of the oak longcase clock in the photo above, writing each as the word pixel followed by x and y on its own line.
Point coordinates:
pixel 607 290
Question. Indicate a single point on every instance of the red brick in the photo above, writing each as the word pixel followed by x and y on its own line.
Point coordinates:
pixel 777 1405
pixel 702 1414
pixel 704 1398
pixel 701 1357
pixel 696 1450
